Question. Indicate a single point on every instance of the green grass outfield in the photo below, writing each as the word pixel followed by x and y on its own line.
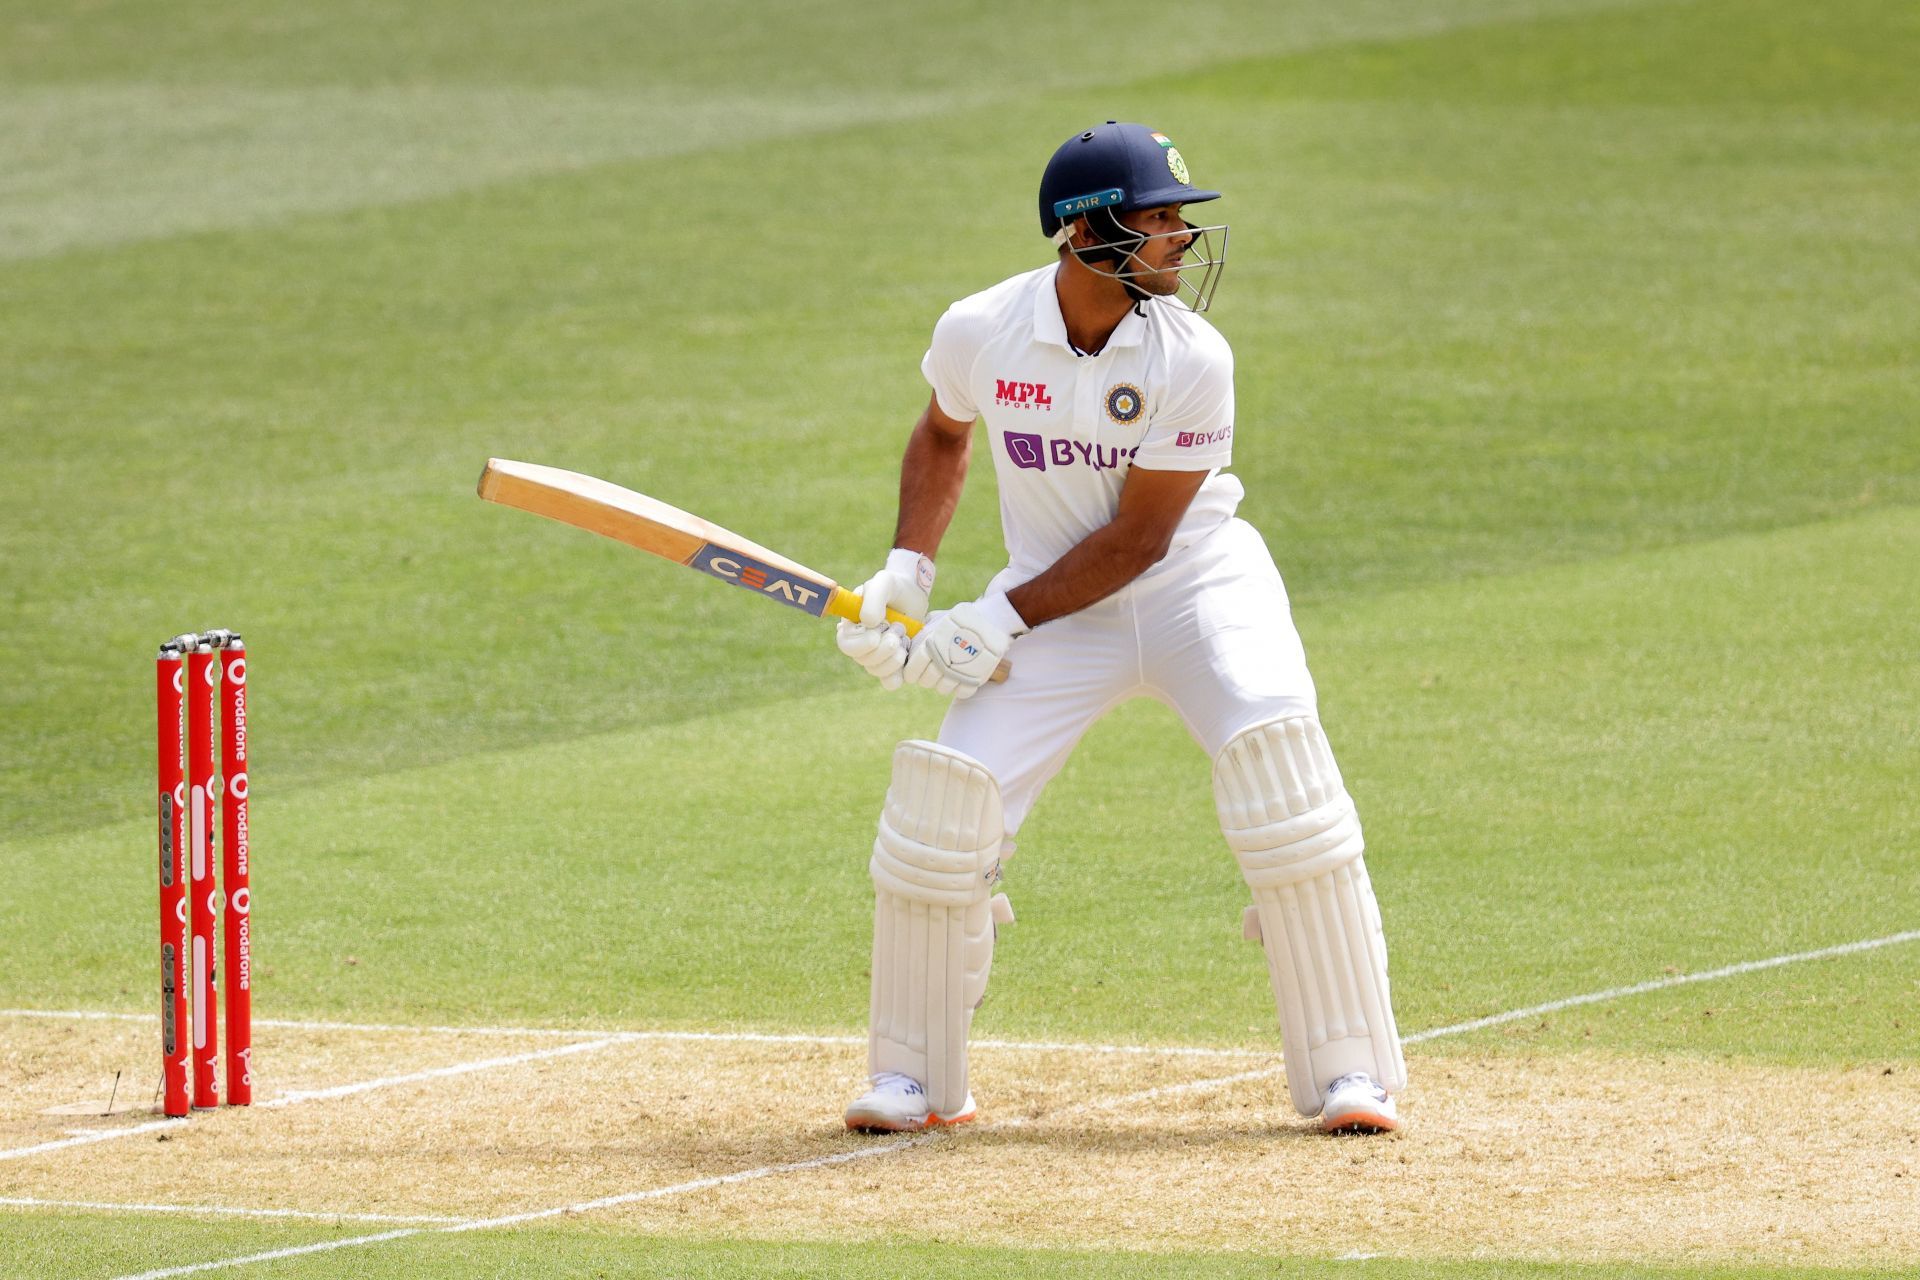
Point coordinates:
pixel 593 1255
pixel 1579 404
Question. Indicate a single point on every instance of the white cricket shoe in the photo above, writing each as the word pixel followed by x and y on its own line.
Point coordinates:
pixel 897 1104
pixel 1356 1104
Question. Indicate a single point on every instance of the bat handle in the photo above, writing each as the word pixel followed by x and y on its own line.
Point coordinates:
pixel 846 604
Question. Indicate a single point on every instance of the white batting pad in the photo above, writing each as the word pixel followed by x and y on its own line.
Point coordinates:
pixel 1292 825
pixel 934 864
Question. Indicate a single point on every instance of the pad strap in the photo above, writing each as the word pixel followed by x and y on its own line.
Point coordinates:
pixel 935 860
pixel 1291 824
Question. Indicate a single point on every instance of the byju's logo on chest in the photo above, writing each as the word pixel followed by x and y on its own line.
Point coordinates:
pixel 1021 395
pixel 1033 453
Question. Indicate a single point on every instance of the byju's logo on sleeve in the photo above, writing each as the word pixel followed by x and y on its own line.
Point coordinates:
pixel 1200 439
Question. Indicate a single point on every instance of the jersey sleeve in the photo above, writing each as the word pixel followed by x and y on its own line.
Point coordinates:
pixel 948 364
pixel 1194 431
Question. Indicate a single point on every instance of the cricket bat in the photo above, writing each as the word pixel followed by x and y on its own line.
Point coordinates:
pixel 676 535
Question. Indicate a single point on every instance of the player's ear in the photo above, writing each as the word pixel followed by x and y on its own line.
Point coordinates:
pixel 1078 235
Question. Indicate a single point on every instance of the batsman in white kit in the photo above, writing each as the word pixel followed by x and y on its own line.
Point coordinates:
pixel 1108 404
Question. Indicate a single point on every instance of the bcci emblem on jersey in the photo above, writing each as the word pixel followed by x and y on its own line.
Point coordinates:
pixel 1124 403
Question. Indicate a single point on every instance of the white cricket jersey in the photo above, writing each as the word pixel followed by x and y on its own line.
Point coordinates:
pixel 1065 428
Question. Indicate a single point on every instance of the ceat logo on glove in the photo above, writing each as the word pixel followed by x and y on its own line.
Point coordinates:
pixel 964 646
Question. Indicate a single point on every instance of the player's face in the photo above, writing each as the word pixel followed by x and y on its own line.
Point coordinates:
pixel 1159 259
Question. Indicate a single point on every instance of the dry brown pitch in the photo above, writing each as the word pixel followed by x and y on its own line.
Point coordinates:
pixel 1588 1157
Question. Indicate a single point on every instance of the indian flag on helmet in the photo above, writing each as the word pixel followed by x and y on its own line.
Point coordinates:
pixel 1175 165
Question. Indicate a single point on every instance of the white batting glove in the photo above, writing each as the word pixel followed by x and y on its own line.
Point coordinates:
pixel 904 585
pixel 960 648
pixel 880 651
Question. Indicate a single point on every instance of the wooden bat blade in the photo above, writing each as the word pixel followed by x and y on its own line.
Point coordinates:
pixel 602 507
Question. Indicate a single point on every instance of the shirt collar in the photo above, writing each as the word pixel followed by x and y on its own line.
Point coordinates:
pixel 1049 326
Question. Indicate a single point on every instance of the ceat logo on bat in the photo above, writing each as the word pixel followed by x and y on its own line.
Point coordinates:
pixel 776 584
pixel 1021 395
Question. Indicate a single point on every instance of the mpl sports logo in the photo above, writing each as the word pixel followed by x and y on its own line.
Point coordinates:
pixel 1201 439
pixel 776 584
pixel 1021 395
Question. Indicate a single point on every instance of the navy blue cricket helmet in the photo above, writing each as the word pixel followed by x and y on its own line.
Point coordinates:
pixel 1115 166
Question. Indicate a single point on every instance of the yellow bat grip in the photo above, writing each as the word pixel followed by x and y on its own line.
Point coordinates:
pixel 846 604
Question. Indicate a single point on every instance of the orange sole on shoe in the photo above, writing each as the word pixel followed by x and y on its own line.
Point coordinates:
pixel 1361 1122
pixel 890 1126
pixel 936 1122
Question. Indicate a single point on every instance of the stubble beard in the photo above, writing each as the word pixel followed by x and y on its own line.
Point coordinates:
pixel 1161 284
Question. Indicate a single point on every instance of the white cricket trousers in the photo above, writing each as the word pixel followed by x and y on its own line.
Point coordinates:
pixel 1207 631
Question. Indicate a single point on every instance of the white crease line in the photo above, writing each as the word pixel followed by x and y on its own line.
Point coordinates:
pixel 81 1140
pixel 347 1243
pixel 337 1091
pixel 697 1037
pixel 919 1139
pixel 295 1024
pixel 1146 1095
pixel 1142 1050
pixel 1661 984
pixel 622 1037
pixel 698 1184
pixel 30 1202
pixel 514 1219
pixel 1512 1015
pixel 441 1073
